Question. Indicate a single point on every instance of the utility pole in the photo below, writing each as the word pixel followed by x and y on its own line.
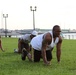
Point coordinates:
pixel 5 16
pixel 33 16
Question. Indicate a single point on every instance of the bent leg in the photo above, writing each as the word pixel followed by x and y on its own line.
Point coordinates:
pixel 49 55
pixel 37 55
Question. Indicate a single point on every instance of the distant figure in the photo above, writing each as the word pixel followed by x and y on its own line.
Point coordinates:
pixel 1 44
pixel 43 45
pixel 23 42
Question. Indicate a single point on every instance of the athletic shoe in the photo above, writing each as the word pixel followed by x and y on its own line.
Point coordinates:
pixel 24 54
pixel 15 51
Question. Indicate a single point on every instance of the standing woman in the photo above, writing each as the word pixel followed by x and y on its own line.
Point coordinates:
pixel 1 44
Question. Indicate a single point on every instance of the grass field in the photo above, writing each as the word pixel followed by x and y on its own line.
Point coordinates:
pixel 11 63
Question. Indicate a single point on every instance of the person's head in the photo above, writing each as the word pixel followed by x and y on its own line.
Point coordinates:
pixel 56 31
pixel 33 34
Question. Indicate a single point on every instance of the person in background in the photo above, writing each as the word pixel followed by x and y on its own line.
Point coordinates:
pixel 43 45
pixel 23 42
pixel 1 44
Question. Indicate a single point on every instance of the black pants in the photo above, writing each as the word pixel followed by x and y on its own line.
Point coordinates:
pixel 37 55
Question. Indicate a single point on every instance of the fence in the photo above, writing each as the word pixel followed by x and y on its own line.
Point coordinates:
pixel 69 35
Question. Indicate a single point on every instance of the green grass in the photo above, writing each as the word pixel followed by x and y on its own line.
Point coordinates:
pixel 11 63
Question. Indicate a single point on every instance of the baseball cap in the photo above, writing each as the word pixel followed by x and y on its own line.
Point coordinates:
pixel 34 33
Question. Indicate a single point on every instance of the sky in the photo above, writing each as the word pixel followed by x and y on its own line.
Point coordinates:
pixel 48 14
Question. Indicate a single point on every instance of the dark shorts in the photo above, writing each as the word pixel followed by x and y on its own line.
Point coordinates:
pixel 24 45
pixel 37 55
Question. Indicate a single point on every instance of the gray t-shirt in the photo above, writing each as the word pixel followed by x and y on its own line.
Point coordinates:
pixel 26 38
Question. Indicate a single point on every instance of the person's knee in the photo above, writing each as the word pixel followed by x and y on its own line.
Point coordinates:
pixel 49 59
pixel 36 60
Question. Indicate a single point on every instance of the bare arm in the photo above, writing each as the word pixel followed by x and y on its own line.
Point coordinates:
pixel 58 53
pixel 1 45
pixel 44 45
pixel 46 41
pixel 19 46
